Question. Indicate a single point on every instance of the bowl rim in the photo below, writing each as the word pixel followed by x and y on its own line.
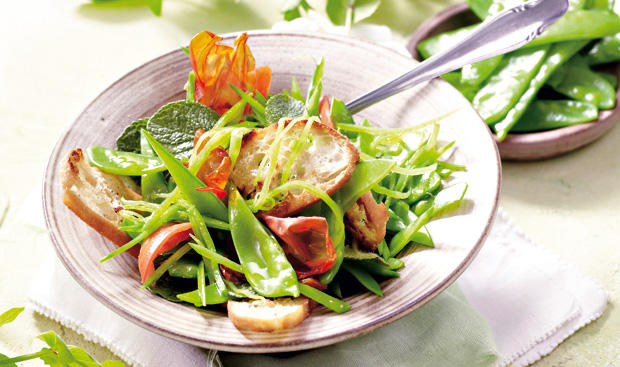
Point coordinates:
pixel 56 156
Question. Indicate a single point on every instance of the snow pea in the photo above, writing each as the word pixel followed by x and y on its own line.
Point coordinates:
pixel 611 78
pixel 365 176
pixel 558 55
pixel 605 51
pixel 324 299
pixel 211 297
pixel 508 83
pixel 576 80
pixel 580 24
pixel 184 268
pixel 152 183
pixel 455 78
pixel 263 260
pixel 406 216
pixel 475 74
pixel 427 184
pixel 447 199
pixel 574 25
pixel 553 114
pixel 123 163
pixel 378 268
pixel 363 277
pixel 206 202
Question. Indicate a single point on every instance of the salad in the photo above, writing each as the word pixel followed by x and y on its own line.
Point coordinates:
pixel 267 205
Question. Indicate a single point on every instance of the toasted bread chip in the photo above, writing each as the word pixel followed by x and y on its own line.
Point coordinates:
pixel 94 195
pixel 268 315
pixel 367 220
pixel 327 162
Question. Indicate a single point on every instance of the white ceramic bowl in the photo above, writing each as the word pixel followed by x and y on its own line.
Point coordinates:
pixel 351 67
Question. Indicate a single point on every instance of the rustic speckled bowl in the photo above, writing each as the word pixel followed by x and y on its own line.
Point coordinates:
pixel 351 67
pixel 523 146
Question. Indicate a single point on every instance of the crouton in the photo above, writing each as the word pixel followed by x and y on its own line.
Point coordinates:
pixel 327 162
pixel 268 315
pixel 367 220
pixel 94 196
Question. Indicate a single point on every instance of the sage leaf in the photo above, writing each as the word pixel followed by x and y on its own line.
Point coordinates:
pixel 129 141
pixel 283 106
pixel 175 124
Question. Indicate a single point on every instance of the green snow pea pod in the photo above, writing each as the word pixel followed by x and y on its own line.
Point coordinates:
pixel 365 176
pixel 611 78
pixel 211 297
pixel 553 114
pixel 152 183
pixel 455 78
pixel 363 277
pixel 576 80
pixel 475 74
pixel 123 163
pixel 378 268
pixel 508 83
pixel 206 202
pixel 184 268
pixel 558 55
pixel 263 260
pixel 447 199
pixel 574 25
pixel 427 184
pixel 604 51
pixel 580 24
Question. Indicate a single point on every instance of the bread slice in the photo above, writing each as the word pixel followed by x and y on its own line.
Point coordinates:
pixel 367 221
pixel 326 161
pixel 94 196
pixel 268 315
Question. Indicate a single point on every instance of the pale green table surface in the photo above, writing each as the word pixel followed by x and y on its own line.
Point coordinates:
pixel 56 56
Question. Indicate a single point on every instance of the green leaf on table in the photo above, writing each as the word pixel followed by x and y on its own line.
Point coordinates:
pixel 10 315
pixel 175 124
pixel 62 354
pixel 282 106
pixel 4 358
pixel 342 11
pixel 155 6
pixel 129 141
pixel 292 9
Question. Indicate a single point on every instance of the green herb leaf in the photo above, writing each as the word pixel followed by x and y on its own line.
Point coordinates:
pixel 4 358
pixel 155 6
pixel 59 348
pixel 175 124
pixel 342 11
pixel 292 9
pixel 129 141
pixel 281 106
pixel 10 315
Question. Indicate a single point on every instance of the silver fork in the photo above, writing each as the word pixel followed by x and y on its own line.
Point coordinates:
pixel 507 31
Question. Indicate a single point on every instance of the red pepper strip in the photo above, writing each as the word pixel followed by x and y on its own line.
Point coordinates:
pixel 306 243
pixel 165 238
pixel 216 169
pixel 325 111
pixel 217 65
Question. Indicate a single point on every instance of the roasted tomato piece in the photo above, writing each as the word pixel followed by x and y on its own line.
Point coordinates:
pixel 165 238
pixel 306 243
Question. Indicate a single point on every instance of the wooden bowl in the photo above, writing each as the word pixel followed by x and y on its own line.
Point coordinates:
pixel 522 146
